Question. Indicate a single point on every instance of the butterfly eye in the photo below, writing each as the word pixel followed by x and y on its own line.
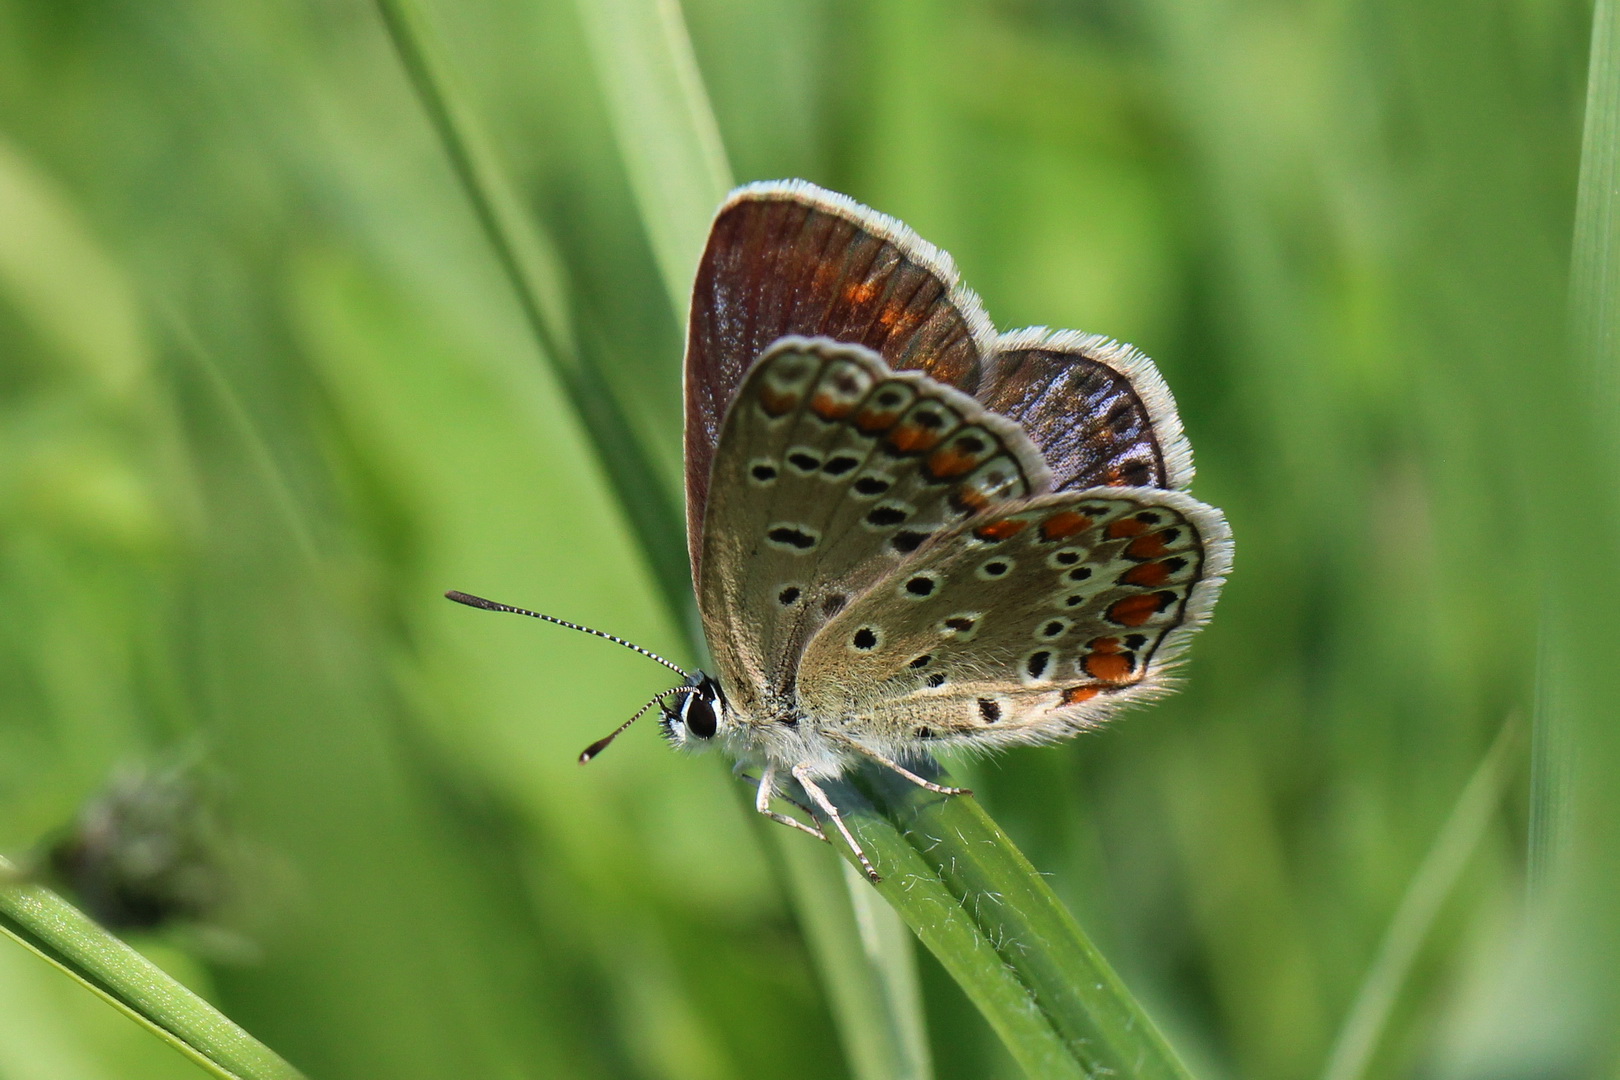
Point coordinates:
pixel 698 716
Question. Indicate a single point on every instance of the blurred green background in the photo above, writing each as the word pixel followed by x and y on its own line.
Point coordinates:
pixel 264 395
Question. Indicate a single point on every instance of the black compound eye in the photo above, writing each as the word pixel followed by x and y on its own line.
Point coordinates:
pixel 698 716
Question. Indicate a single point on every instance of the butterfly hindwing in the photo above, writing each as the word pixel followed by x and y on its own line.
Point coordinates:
pixel 832 470
pixel 1098 411
pixel 1026 625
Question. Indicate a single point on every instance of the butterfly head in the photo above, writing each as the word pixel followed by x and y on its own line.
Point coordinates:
pixel 699 715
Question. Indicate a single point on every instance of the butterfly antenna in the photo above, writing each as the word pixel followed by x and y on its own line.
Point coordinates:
pixel 602 744
pixel 490 605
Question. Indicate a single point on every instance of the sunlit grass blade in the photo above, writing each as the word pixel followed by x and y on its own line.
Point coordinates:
pixel 1367 1021
pixel 61 934
pixel 863 956
pixel 666 130
pixel 540 284
pixel 1577 726
pixel 999 929
pixel 1594 294
pixel 1594 299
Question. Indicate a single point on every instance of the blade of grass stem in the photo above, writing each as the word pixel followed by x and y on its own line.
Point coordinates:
pixel 252 438
pixel 891 951
pixel 1594 296
pixel 666 130
pixel 998 928
pixel 46 924
pixel 1365 1024
pixel 540 283
pixel 858 955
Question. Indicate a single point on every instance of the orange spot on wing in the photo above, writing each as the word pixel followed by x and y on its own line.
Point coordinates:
pixel 778 403
pixel 1004 529
pixel 1150 546
pixel 1064 524
pixel 910 438
pixel 1075 695
pixel 830 408
pixel 948 462
pixel 872 421
pixel 1136 610
pixel 971 498
pixel 1125 526
pixel 1109 667
pixel 1104 644
pixel 1150 575
pixel 859 292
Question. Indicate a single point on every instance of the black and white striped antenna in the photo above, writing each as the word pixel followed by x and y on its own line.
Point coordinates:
pixel 490 605
pixel 601 744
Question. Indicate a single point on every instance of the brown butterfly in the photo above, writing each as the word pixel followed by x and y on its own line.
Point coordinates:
pixel 908 532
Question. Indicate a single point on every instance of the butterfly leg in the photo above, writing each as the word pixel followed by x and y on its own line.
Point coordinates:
pixel 938 789
pixel 819 797
pixel 766 785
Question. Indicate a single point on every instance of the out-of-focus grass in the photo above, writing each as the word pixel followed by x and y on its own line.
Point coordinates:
pixel 1342 231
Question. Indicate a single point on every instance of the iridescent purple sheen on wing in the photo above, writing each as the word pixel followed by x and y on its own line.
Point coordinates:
pixel 1087 419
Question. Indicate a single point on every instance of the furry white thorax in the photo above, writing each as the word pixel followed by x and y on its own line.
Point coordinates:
pixel 782 741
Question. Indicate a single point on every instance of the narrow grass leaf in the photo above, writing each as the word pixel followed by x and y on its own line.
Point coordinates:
pixel 1594 295
pixel 60 933
pixel 666 130
pixel 1367 1022
pixel 1003 934
pixel 863 958
pixel 541 286
pixel 891 951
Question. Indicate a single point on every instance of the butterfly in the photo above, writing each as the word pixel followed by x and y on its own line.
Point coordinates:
pixel 909 533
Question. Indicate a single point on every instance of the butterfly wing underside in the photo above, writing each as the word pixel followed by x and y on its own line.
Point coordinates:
pixel 831 471
pixel 788 258
pixel 1027 625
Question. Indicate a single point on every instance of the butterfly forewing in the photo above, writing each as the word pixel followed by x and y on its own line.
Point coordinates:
pixel 832 471
pixel 791 259
pixel 1023 625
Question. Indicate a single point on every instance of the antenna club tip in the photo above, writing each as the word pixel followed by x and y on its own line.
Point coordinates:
pixel 467 598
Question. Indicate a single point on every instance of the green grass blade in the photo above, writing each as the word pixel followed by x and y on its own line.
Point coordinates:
pixel 666 130
pixel 863 956
pixel 540 283
pixel 1365 1024
pixel 890 950
pixel 1594 290
pixel 998 928
pixel 1594 294
pixel 60 933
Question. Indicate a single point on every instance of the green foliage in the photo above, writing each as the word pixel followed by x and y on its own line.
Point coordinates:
pixel 266 392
